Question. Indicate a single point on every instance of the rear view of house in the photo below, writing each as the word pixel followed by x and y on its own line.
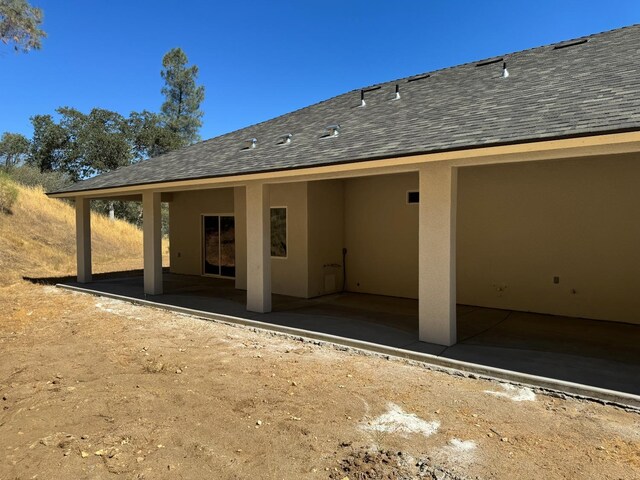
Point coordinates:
pixel 511 183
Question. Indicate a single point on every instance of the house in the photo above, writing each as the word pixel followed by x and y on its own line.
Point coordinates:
pixel 512 182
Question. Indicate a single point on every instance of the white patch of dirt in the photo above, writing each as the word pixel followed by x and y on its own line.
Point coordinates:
pixel 457 452
pixel 396 420
pixel 462 445
pixel 517 394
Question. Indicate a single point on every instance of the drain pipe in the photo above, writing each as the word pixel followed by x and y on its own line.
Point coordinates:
pixel 344 270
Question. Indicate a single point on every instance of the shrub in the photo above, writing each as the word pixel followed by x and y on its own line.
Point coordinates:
pixel 33 177
pixel 8 193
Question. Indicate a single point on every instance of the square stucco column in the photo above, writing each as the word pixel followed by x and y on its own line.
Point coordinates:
pixel 240 212
pixel 258 248
pixel 83 239
pixel 437 254
pixel 152 240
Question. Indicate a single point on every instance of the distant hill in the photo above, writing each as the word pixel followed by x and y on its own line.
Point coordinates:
pixel 37 239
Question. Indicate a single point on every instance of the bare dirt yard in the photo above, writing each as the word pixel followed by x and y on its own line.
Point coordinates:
pixel 97 388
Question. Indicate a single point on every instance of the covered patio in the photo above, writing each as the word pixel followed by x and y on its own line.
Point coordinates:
pixel 590 352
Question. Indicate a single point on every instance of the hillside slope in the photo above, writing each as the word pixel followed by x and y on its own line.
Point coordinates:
pixel 38 239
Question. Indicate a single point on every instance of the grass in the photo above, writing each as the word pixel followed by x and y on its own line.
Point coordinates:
pixel 38 239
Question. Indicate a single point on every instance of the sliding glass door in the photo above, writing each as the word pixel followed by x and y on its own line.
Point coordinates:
pixel 219 245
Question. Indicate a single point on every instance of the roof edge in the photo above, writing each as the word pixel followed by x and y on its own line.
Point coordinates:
pixel 67 193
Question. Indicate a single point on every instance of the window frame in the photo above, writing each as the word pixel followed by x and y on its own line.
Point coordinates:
pixel 203 247
pixel 286 231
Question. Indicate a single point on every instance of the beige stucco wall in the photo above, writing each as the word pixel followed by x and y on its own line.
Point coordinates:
pixel 518 226
pixel 521 225
pixel 289 276
pixel 326 236
pixel 381 235
pixel 185 225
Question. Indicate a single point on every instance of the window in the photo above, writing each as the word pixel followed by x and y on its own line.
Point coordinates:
pixel 219 250
pixel 279 232
pixel 413 197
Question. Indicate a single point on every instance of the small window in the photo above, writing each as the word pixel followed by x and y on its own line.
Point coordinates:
pixel 279 232
pixel 413 197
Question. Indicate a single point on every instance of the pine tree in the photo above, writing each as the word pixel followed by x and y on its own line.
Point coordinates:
pixel 181 109
pixel 20 25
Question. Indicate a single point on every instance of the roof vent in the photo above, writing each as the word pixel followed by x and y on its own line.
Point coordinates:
pixel 250 143
pixel 396 96
pixel 332 131
pixel 285 139
pixel 489 62
pixel 366 90
pixel 415 79
pixel 570 44
pixel 505 72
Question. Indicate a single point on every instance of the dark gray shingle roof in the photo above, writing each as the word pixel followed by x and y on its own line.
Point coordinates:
pixel 589 88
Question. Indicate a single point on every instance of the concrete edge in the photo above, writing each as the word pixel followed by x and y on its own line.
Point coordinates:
pixel 547 385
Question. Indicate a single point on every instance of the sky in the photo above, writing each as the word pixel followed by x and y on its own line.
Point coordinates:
pixel 261 59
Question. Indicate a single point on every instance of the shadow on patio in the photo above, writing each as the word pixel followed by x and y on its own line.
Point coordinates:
pixel 597 353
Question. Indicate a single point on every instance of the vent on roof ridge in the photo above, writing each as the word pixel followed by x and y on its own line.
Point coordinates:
pixel 285 139
pixel 366 90
pixel 505 72
pixel 332 131
pixel 489 62
pixel 420 77
pixel 250 143
pixel 570 44
pixel 396 96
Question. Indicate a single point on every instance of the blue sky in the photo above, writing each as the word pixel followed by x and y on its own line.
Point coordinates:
pixel 261 59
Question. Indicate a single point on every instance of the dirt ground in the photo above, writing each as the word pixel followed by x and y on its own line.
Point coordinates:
pixel 96 388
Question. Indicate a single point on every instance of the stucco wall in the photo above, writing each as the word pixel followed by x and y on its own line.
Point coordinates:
pixel 185 225
pixel 381 235
pixel 289 276
pixel 521 225
pixel 326 236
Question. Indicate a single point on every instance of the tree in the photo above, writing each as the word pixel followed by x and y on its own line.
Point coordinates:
pixel 48 144
pixel 80 145
pixel 150 136
pixel 181 109
pixel 14 149
pixel 98 142
pixel 19 25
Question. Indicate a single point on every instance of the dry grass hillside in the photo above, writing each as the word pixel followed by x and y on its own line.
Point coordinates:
pixel 37 239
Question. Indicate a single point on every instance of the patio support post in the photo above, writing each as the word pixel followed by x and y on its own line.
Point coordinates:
pixel 437 254
pixel 83 239
pixel 152 240
pixel 258 248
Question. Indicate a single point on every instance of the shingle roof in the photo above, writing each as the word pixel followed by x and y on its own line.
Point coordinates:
pixel 588 88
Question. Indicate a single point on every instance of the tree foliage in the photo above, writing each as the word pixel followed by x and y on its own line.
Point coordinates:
pixel 96 142
pixel 14 149
pixel 150 135
pixel 181 109
pixel 75 145
pixel 47 144
pixel 20 25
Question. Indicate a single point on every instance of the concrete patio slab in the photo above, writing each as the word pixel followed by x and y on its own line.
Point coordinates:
pixel 600 354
